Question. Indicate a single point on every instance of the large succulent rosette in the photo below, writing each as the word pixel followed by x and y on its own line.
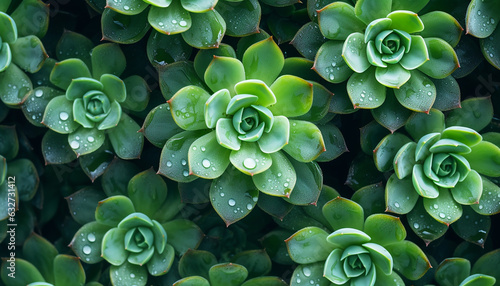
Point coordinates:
pixel 442 176
pixel 356 252
pixel 20 48
pixel 387 46
pixel 242 130
pixel 482 22
pixel 90 111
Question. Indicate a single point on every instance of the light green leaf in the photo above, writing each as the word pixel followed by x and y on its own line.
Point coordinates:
pixel 199 36
pixel 60 108
pixel 279 180
pixel 108 59
pixel 306 141
pixel 289 88
pixel 250 159
pixel 65 71
pixel 442 61
pixel 333 18
pixel 187 107
pixel 85 140
pixel 308 245
pixel 330 64
pixel 264 61
pixel 406 253
pixel 28 53
pixel 354 53
pixel 126 139
pixel 407 21
pixel 394 76
pixel 400 195
pixel 365 91
pixel 485 158
pixel 369 10
pixel 170 20
pixel 443 208
pixel 207 158
pixel 344 213
pixel 418 94
pixel 224 73
pixel 423 185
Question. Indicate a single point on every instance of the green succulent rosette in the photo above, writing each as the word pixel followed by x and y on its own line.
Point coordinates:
pixel 242 126
pixel 135 233
pixel 89 103
pixel 389 46
pixel 357 252
pixel 444 176
pixel 481 22
pixel 21 50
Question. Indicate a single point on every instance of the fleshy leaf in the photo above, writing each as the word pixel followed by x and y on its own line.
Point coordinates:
pixel 406 253
pixel 233 195
pixel 442 25
pixel 443 208
pixel 485 158
pixel 368 10
pixel 250 159
pixel 58 115
pixel 417 55
pixel 407 21
pixel 207 158
pixel 126 139
pixel 187 107
pixel 64 72
pixel 89 237
pixel 387 149
pixel 308 245
pixel 279 179
pixel 199 36
pixel 28 53
pixel 354 53
pixel 394 76
pixel 306 141
pixel 330 64
pixel 113 210
pixel 365 91
pixel 288 88
pixel 384 229
pixel 400 195
pixel 86 140
pixel 423 185
pixel 108 59
pixel 264 61
pixel 442 61
pixel 418 94
pixel 332 19
pixel 224 73
pixel 344 213
pixel 258 88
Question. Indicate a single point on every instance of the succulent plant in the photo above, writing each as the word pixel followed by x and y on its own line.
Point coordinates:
pixel 201 23
pixel 443 173
pixel 248 268
pixel 358 251
pixel 444 168
pixel 243 127
pixel 456 271
pixel 20 48
pixel 229 274
pixel 134 234
pixel 42 265
pixel 387 46
pixel 482 21
pixel 91 108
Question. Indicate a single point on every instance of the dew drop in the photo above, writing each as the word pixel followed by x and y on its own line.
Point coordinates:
pixel 231 202
pixel 126 7
pixel 91 237
pixel 38 93
pixel 185 173
pixel 306 271
pixel 415 225
pixel 63 115
pixel 396 205
pixel 436 206
pixel 183 23
pixel 90 139
pixel 183 162
pixel 206 163
pixel 442 215
pixel 87 249
pixel 249 206
pixel 75 144
pixel 132 275
pixel 222 194
pixel 169 164
pixel 249 163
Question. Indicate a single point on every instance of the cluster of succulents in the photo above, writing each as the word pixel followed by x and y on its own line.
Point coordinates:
pixel 249 142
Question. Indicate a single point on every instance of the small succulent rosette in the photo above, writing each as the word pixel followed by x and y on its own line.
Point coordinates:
pixel 444 173
pixel 136 233
pixel 241 131
pixel 199 267
pixel 42 265
pixel 357 252
pixel 377 45
pixel 456 271
pixel 482 21
pixel 21 50
pixel 86 102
